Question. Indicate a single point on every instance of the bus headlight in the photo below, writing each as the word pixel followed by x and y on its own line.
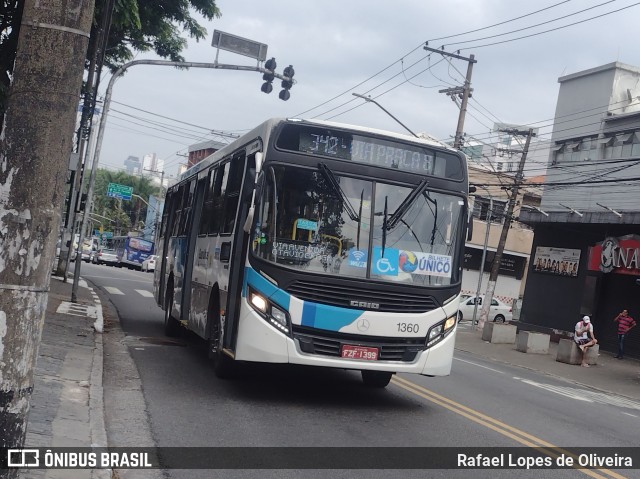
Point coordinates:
pixel 258 302
pixel 440 330
pixel 270 312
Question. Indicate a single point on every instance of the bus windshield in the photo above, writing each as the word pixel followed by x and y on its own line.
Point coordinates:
pixel 323 222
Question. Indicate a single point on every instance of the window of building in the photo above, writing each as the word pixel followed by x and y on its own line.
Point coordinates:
pixel 620 146
pixel 559 153
pixel 635 145
pixel 481 209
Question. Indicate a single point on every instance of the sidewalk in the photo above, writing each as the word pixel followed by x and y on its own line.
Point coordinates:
pixel 66 408
pixel 609 375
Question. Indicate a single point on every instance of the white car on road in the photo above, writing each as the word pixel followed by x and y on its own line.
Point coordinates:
pixel 499 311
pixel 149 264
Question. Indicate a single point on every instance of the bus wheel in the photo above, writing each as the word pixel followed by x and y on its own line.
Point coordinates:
pixel 376 379
pixel 171 325
pixel 223 365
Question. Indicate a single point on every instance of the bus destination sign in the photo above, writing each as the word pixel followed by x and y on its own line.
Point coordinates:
pixel 351 146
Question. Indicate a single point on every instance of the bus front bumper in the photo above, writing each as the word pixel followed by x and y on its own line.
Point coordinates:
pixel 258 341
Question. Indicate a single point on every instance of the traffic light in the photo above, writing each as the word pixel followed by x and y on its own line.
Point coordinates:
pixel 287 84
pixel 270 65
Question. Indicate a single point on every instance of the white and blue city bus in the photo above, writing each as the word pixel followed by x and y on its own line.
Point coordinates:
pixel 321 244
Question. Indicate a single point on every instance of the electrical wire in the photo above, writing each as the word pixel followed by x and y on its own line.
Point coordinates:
pixel 551 30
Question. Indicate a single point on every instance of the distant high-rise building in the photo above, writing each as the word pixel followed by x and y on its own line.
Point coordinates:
pixel 132 165
pixel 149 163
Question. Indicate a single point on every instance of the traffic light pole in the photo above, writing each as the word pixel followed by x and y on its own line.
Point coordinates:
pixel 100 135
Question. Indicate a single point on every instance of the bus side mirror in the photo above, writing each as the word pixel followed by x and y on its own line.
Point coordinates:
pixel 469 224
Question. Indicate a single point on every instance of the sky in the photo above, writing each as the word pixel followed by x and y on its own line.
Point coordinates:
pixel 372 48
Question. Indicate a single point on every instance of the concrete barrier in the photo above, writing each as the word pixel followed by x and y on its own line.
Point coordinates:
pixel 568 352
pixel 530 342
pixel 499 333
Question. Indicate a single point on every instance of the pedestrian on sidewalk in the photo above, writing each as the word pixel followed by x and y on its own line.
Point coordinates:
pixel 584 337
pixel 625 324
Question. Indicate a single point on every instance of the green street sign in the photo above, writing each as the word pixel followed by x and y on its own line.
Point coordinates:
pixel 115 190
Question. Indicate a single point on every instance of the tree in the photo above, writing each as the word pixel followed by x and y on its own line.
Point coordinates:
pixel 137 26
pixel 34 152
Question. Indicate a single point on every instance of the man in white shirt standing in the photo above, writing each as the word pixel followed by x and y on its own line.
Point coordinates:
pixel 584 337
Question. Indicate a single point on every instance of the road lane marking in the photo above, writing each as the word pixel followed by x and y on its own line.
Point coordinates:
pixel 145 293
pixel 586 395
pixel 112 290
pixel 119 279
pixel 479 365
pixel 511 432
pixel 628 414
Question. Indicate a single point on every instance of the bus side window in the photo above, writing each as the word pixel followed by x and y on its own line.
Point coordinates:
pixel 232 193
pixel 165 214
pixel 217 202
pixel 207 204
pixel 179 200
pixel 186 216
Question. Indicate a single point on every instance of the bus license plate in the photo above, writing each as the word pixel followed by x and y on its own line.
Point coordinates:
pixel 359 352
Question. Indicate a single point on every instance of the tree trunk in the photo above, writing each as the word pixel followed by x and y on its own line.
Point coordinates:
pixel 37 142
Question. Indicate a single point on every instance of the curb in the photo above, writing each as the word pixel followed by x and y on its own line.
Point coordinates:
pixel 97 426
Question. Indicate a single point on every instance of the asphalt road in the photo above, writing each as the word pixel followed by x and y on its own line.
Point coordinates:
pixel 163 392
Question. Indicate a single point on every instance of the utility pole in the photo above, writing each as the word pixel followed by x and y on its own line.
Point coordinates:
pixel 98 47
pixel 464 91
pixel 35 151
pixel 493 277
pixel 484 253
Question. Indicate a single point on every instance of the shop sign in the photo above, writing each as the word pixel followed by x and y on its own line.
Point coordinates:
pixel 560 261
pixel 616 255
pixel 510 265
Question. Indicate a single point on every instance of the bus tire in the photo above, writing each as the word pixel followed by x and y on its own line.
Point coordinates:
pixel 376 379
pixel 223 365
pixel 171 325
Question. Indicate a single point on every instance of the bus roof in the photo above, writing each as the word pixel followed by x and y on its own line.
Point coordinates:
pixel 264 131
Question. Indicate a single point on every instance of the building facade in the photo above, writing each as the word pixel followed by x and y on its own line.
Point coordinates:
pixel 586 248
pixel 489 206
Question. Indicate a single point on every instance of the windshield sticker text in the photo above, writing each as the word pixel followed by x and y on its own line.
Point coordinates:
pixel 425 263
pixel 298 251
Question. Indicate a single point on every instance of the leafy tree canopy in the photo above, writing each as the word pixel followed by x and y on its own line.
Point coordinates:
pixel 155 25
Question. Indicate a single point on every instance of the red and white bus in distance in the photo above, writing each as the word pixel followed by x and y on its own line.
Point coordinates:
pixel 317 243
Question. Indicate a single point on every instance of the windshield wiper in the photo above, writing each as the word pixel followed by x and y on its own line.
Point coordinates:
pixel 384 226
pixel 435 216
pixel 399 213
pixel 330 178
pixel 359 223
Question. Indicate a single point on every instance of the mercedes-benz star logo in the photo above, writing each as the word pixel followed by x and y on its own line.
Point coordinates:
pixel 363 324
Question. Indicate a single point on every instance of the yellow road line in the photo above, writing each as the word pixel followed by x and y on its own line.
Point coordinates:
pixel 511 432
